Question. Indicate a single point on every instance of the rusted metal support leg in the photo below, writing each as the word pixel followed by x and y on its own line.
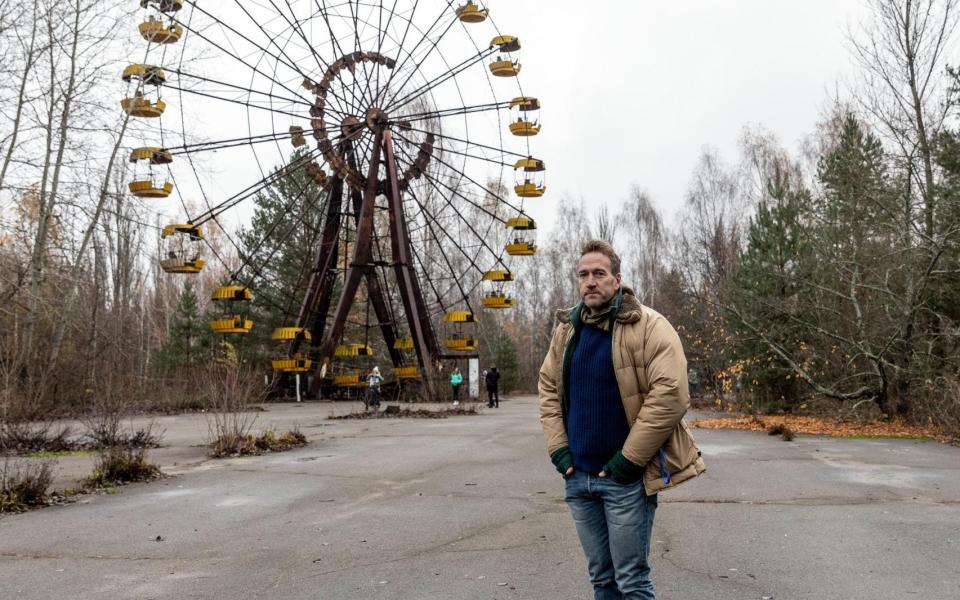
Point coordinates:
pixel 362 255
pixel 413 302
pixel 317 301
pixel 374 290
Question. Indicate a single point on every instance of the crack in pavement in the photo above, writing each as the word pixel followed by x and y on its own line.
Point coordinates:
pixel 753 586
pixel 17 556
pixel 424 551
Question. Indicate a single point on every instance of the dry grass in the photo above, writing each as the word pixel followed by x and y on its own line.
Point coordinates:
pixel 412 413
pixel 24 484
pixel 117 466
pixel 231 417
pixel 26 437
pixel 248 444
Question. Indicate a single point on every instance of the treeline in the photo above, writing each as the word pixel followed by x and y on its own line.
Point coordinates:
pixel 827 274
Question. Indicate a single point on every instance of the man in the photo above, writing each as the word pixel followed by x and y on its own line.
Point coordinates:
pixel 492 378
pixel 613 392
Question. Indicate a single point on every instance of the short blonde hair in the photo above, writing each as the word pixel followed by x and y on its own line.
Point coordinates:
pixel 605 249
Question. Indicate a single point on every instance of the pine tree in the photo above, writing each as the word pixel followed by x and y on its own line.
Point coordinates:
pixel 773 270
pixel 278 249
pixel 189 337
pixel 506 361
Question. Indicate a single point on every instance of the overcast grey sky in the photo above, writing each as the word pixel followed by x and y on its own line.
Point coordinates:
pixel 633 90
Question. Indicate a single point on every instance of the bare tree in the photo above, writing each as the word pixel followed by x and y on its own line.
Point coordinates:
pixel 903 54
pixel 644 244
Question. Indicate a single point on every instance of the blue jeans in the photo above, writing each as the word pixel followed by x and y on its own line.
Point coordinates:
pixel 614 522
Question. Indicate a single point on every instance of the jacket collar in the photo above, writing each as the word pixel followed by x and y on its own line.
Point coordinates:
pixel 629 311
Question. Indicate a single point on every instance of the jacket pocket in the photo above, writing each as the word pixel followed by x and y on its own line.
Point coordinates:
pixel 679 452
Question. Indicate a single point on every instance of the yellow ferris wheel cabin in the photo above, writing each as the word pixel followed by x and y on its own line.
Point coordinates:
pixel 471 13
pixel 506 63
pixel 523 239
pixel 525 116
pixel 529 175
pixel 182 243
pixel 144 185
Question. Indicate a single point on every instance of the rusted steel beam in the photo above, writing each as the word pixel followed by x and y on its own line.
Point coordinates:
pixel 362 256
pixel 424 340
pixel 316 303
pixel 374 290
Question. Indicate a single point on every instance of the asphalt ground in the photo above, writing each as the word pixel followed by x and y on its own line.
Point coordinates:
pixel 470 507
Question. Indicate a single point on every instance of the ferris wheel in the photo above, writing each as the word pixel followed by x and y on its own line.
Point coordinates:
pixel 404 121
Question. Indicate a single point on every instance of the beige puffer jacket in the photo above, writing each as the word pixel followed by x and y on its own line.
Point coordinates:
pixel 651 372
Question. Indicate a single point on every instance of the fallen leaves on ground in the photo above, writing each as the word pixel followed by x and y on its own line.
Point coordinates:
pixel 896 428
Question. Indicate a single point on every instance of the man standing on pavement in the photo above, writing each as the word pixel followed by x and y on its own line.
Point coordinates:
pixel 492 378
pixel 613 392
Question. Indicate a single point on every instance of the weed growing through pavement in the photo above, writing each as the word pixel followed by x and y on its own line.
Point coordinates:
pixel 24 484
pixel 117 466
pixel 248 444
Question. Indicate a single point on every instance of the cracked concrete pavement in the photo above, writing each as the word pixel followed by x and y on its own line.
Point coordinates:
pixel 469 507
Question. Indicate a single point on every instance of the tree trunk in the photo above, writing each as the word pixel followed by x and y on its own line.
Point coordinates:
pixel 27 67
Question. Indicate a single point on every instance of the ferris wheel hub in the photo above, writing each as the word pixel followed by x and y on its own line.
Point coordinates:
pixel 376 119
pixel 351 128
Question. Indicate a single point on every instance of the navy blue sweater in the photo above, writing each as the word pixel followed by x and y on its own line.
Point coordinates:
pixel 596 425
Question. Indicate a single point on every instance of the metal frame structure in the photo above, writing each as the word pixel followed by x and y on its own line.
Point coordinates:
pixel 382 125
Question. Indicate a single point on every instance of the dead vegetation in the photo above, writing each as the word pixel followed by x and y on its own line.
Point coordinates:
pixel 781 429
pixel 248 444
pixel 232 395
pixel 21 437
pixel 118 466
pixel 396 412
pixel 24 484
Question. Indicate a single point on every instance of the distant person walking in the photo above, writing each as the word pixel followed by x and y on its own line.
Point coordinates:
pixel 374 379
pixel 492 377
pixel 456 380
pixel 613 392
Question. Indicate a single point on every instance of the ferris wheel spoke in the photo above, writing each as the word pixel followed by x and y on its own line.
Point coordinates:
pixel 478 184
pixel 429 217
pixel 322 65
pixel 468 143
pixel 403 40
pixel 399 102
pixel 295 25
pixel 433 46
pixel 371 89
pixel 481 186
pixel 228 143
pixel 255 187
pixel 430 281
pixel 448 112
pixel 235 101
pixel 272 38
pixel 238 87
pixel 446 200
pixel 287 62
pixel 382 34
pixel 335 43
pixel 297 221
